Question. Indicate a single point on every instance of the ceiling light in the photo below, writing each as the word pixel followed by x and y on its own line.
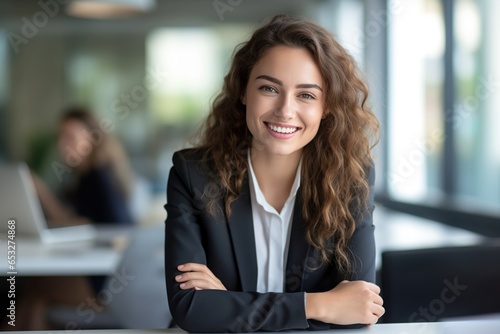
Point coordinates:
pixel 100 9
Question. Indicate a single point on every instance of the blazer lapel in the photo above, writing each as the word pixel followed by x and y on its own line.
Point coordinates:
pixel 243 239
pixel 298 249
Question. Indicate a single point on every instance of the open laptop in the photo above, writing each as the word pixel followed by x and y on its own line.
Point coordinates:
pixel 19 201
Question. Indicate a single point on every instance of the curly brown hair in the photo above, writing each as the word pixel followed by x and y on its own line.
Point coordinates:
pixel 334 163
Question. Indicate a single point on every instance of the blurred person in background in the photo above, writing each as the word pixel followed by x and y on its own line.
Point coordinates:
pixel 97 189
pixel 99 184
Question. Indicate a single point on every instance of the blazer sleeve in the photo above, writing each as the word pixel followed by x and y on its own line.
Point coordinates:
pixel 362 243
pixel 362 249
pixel 214 310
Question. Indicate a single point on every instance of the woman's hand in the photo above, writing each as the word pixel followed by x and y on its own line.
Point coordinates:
pixel 197 276
pixel 356 302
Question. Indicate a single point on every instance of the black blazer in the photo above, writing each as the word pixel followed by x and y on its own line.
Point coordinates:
pixel 227 247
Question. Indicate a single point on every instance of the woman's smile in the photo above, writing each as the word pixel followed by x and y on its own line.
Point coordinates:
pixel 284 101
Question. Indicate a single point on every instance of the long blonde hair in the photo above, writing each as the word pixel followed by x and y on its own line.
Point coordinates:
pixel 335 162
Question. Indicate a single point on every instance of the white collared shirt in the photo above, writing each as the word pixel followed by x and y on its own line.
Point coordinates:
pixel 272 234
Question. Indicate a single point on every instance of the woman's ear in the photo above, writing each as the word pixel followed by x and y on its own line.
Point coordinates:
pixel 243 99
pixel 325 113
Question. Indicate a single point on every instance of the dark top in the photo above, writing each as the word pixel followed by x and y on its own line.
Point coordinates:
pixel 227 247
pixel 97 198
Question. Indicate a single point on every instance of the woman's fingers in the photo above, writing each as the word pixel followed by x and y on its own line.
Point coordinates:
pixel 378 311
pixel 197 276
pixel 378 300
pixel 191 266
pixel 195 267
pixel 347 303
pixel 193 275
pixel 199 285
pixel 373 287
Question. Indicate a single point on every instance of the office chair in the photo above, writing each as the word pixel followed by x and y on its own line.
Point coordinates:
pixel 436 284
pixel 135 297
pixel 142 303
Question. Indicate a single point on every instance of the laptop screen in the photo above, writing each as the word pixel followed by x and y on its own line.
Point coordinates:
pixel 19 201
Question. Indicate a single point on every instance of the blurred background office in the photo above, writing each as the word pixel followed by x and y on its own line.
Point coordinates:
pixel 150 69
pixel 152 72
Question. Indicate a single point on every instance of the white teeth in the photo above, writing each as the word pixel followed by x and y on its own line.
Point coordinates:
pixel 281 129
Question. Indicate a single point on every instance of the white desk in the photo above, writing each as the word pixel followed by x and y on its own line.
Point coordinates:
pixel 393 231
pixel 455 327
pixel 34 258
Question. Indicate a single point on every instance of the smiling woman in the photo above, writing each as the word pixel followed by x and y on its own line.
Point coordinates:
pixel 270 216
pixel 284 100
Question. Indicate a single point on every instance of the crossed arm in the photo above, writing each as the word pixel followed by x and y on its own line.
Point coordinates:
pixel 200 301
pixel 356 302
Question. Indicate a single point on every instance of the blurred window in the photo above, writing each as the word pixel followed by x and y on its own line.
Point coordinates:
pixel 195 61
pixel 415 123
pixel 477 107
pixel 417 120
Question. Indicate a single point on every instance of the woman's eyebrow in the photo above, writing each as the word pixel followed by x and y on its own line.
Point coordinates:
pixel 310 86
pixel 279 82
pixel 272 79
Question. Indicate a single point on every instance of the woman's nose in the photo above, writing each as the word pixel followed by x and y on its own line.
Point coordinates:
pixel 285 109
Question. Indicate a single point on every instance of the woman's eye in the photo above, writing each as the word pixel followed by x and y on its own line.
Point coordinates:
pixel 307 96
pixel 268 89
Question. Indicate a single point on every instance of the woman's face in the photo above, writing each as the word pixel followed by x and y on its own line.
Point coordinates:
pixel 74 144
pixel 284 100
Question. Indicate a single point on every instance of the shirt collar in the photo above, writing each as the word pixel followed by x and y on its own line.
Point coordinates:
pixel 259 196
